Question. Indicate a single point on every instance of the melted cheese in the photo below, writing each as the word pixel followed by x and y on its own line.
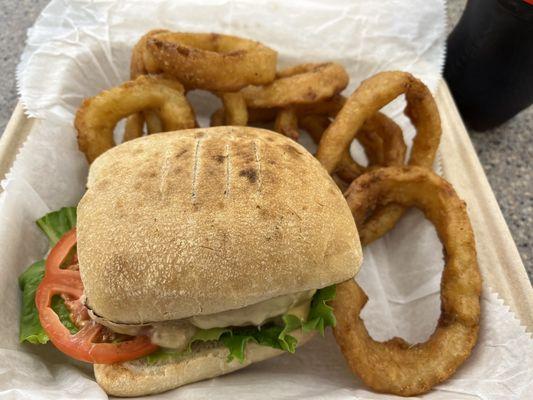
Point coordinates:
pixel 255 314
pixel 177 334
pixel 173 334
pixel 301 311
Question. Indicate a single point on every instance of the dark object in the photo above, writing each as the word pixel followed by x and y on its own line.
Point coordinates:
pixel 489 64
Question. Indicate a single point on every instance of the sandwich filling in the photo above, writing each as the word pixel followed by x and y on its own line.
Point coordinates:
pixel 177 334
pixel 309 313
pixel 54 309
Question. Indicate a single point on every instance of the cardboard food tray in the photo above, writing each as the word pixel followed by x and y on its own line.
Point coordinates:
pixel 498 256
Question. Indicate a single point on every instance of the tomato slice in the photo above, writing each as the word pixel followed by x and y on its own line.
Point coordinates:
pixel 82 345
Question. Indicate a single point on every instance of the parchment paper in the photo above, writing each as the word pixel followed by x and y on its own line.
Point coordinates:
pixel 79 48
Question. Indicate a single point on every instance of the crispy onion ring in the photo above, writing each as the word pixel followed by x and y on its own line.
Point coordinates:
pixel 286 123
pixel 233 112
pixel 262 115
pixel 301 84
pixel 315 125
pixel 373 94
pixel 211 61
pixel 142 63
pixel 381 138
pixel 153 122
pixel 134 127
pixel 98 116
pixel 234 108
pixel 396 366
pixel 217 118
pixel 329 107
pixel 135 122
pixel 199 59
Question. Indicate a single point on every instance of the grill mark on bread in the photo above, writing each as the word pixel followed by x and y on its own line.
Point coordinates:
pixel 250 174
pixel 228 171
pixel 180 153
pixel 220 158
pixel 248 163
pixel 195 170
pixel 258 163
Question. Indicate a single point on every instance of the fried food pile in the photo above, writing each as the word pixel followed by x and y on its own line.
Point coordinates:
pixel 242 73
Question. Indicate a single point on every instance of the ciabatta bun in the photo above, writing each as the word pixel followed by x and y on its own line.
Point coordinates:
pixel 206 220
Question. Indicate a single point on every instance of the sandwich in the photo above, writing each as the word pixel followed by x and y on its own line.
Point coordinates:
pixel 199 252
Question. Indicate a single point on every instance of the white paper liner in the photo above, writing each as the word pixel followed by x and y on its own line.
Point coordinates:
pixel 77 49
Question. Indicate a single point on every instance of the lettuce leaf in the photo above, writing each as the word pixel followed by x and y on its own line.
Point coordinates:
pixel 206 335
pixel 277 336
pixel 162 355
pixel 235 339
pixel 30 329
pixel 288 342
pixel 236 344
pixel 57 223
pixel 58 305
pixel 321 314
pixel 202 335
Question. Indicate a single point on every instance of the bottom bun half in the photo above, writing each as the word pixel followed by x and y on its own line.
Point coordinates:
pixel 136 378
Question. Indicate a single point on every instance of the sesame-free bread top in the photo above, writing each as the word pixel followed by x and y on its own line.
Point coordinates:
pixel 201 221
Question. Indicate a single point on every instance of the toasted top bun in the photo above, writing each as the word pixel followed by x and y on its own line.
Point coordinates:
pixel 201 221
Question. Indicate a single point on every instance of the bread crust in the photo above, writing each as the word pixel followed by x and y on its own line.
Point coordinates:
pixel 205 220
pixel 137 379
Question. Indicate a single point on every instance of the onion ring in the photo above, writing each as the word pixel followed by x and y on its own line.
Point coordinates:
pixel 329 107
pixel 142 63
pixel 135 122
pixel 153 122
pixel 235 111
pixel 98 116
pixel 211 61
pixel 315 125
pixel 226 49
pixel 301 84
pixel 134 127
pixel 373 94
pixel 217 118
pixel 395 366
pixel 262 115
pixel 286 123
pixel 381 138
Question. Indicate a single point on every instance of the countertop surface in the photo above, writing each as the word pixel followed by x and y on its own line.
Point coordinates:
pixel 505 152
